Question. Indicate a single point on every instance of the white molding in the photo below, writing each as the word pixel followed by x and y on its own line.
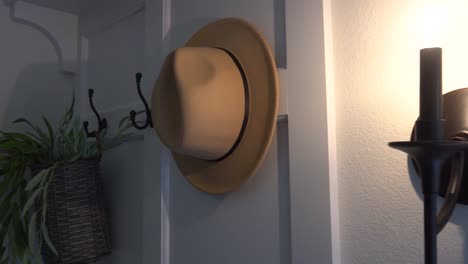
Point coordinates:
pixel 166 156
pixel 66 49
pixel 157 164
pixel 280 31
pixel 312 230
pixel 331 124
pixel 311 223
pixel 165 206
pixel 283 100
pixel 166 21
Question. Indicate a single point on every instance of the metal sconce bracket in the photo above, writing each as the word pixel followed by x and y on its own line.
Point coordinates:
pixel 431 156
pixel 455 105
pixel 133 114
pixel 102 123
pixel 453 153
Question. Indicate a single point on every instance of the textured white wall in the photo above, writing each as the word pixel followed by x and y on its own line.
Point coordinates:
pixel 376 68
pixel 29 72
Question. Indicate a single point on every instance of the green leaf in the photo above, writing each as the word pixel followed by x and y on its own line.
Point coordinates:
pixel 36 180
pixel 3 186
pixel 19 136
pixel 71 110
pixel 37 257
pixel 68 116
pixel 20 243
pixel 32 232
pixel 26 256
pixel 123 121
pixel 23 120
pixel 42 136
pixel 30 202
pixel 45 236
pixel 39 140
pixel 49 129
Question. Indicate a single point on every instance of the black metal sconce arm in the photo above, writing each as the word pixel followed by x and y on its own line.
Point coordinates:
pixel 432 158
pixel 102 123
pixel 133 114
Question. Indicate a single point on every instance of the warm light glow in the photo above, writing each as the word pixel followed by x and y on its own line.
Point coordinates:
pixel 431 25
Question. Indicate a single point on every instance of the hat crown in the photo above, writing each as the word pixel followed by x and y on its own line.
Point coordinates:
pixel 200 102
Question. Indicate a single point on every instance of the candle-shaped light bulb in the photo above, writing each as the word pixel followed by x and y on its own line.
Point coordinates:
pixel 432 21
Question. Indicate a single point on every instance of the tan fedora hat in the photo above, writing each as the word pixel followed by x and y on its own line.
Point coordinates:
pixel 215 105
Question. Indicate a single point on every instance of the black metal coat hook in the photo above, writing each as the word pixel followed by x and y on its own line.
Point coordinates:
pixel 149 120
pixel 102 123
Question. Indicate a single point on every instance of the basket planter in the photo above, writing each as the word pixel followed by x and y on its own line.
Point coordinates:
pixel 77 217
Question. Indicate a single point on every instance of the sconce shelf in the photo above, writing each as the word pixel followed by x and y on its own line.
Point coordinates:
pixel 430 157
pixel 430 149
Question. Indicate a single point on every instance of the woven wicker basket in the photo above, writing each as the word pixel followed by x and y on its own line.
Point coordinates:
pixel 76 217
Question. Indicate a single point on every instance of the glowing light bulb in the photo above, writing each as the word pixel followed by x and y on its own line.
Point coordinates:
pixel 431 24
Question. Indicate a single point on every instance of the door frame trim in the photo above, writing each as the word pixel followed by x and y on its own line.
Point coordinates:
pixel 315 233
pixel 312 139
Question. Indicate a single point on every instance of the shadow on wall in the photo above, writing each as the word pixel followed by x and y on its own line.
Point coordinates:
pixel 460 213
pixel 39 90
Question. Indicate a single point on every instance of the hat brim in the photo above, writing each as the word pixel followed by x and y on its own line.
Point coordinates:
pixel 252 51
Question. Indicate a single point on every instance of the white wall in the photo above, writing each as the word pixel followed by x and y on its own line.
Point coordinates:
pixel 29 75
pixel 376 67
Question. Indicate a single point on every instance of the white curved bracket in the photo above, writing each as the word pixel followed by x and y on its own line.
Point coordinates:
pixel 60 29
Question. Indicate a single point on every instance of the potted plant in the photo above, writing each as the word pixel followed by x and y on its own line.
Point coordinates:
pixel 51 202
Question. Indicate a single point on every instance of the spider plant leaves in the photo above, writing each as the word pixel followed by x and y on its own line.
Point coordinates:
pixel 32 232
pixel 80 139
pixel 23 199
pixel 20 245
pixel 35 241
pixel 18 136
pixel 45 236
pixel 26 257
pixel 50 131
pixel 23 120
pixel 36 180
pixel 70 111
pixel 41 135
pixel 44 230
pixel 32 199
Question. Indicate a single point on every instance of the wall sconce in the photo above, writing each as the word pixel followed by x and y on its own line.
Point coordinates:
pixel 439 136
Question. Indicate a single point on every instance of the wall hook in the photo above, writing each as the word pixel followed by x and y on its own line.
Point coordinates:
pixel 133 114
pixel 102 123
